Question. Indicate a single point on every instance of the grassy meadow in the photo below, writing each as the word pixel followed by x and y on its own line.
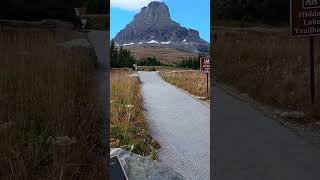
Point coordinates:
pixel 128 127
pixel 268 65
pixel 192 81
pixel 50 123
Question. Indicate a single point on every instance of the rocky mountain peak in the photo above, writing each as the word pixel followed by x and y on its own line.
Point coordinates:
pixel 153 26
pixel 156 14
pixel 157 10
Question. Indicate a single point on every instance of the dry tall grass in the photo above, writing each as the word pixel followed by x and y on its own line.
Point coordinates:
pixel 49 117
pixel 128 128
pixel 193 82
pixel 268 65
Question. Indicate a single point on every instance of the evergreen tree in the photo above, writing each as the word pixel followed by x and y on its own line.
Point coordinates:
pixel 149 61
pixel 120 58
pixel 190 63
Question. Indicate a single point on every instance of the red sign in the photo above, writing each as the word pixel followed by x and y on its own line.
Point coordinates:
pixel 305 17
pixel 205 64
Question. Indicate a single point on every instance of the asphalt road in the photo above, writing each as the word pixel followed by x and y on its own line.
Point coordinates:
pixel 100 42
pixel 250 146
pixel 181 124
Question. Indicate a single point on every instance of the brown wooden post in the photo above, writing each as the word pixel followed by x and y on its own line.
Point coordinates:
pixel 312 87
pixel 207 84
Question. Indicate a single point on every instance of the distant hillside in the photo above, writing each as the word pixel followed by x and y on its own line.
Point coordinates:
pixel 164 55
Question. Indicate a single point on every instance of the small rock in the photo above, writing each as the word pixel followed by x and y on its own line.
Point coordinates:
pixel 63 141
pixel 284 114
pixel 156 144
pixel 135 76
pixel 274 117
pixel 245 95
pixel 129 106
pixel 202 98
pixel 318 123
pixel 6 125
pixel 293 114
pixel 277 112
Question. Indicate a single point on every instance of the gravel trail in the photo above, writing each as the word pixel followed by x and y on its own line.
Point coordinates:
pixel 181 124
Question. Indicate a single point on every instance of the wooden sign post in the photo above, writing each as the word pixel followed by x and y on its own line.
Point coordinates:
pixel 205 68
pixel 305 21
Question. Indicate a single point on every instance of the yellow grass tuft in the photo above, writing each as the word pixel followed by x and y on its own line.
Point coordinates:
pixel 128 128
pixel 192 81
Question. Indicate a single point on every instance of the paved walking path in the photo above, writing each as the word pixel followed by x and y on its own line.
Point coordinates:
pixel 181 124
pixel 250 146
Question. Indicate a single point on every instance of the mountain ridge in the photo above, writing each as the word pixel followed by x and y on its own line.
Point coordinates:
pixel 153 26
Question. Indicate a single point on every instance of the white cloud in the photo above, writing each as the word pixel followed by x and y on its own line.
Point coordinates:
pixel 131 5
